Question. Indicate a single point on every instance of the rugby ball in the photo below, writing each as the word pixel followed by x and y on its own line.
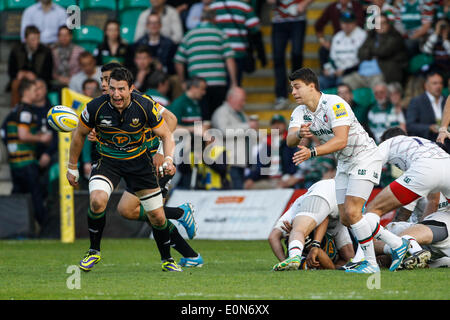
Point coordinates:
pixel 62 118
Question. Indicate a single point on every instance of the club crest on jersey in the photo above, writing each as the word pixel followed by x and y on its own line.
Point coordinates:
pixel 325 118
pixel 340 111
pixel 135 122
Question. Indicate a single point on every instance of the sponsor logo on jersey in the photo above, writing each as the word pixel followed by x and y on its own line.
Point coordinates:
pixel 307 117
pixel 362 172
pixel 340 111
pixel 105 123
pixel 321 132
pixel 407 179
pixel 121 140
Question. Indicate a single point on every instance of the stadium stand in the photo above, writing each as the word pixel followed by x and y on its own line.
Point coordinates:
pixel 89 37
pixel 10 17
pixel 97 12
pixel 129 11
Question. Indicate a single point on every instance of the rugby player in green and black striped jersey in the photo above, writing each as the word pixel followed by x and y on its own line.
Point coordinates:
pixel 129 205
pixel 120 120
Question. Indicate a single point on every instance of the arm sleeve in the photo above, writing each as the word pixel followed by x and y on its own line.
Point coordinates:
pixel 296 118
pixel 87 116
pixel 340 114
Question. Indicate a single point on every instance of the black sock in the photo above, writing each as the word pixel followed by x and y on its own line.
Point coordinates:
pixel 173 212
pixel 96 224
pixel 162 238
pixel 179 244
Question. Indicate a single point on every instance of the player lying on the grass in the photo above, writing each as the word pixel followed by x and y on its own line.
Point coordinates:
pixel 307 213
pixel 120 119
pixel 317 254
pixel 432 236
pixel 426 169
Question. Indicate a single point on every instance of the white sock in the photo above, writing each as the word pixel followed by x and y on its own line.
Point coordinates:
pixel 415 246
pixel 374 220
pixel 363 233
pixel 386 249
pixel 389 238
pixel 295 248
pixel 359 255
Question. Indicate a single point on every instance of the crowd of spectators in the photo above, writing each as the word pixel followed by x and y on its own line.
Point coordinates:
pixel 191 58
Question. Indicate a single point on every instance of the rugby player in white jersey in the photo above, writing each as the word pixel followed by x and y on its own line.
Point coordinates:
pixel 306 214
pixel 332 121
pixel 426 169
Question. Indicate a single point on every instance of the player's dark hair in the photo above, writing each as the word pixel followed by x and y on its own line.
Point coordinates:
pixel 64 27
pixel 24 85
pixel 392 132
pixel 122 74
pixel 307 76
pixel 110 66
pixel 194 82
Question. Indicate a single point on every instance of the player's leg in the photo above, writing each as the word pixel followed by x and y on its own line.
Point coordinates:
pixel 100 189
pixel 184 214
pixel 312 211
pixel 356 195
pixel 301 228
pixel 390 198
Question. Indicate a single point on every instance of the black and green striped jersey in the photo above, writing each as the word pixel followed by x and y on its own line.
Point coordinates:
pixel 20 153
pixel 121 135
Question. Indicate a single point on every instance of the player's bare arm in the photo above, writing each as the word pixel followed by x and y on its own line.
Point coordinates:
pixel 78 138
pixel 169 117
pixel 338 142
pixel 312 259
pixel 168 146
pixel 275 238
pixel 443 130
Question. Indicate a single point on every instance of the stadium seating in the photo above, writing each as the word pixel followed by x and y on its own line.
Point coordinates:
pixel 133 4
pixel 97 12
pixel 129 11
pixel 89 37
pixel 97 4
pixel 65 3
pixel 10 17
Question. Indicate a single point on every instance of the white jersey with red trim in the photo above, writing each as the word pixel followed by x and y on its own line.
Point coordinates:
pixel 402 151
pixel 333 111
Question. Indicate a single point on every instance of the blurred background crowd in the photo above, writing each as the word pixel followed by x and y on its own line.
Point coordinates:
pixel 224 63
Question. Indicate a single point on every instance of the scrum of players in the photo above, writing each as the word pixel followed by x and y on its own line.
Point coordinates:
pixel 322 213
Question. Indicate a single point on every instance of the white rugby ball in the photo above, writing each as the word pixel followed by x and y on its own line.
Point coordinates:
pixel 62 118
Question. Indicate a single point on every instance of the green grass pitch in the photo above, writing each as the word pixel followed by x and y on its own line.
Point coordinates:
pixel 233 270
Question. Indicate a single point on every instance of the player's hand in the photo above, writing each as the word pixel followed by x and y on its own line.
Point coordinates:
pixel 442 136
pixel 72 176
pixel 158 160
pixel 305 132
pixel 92 136
pixel 168 166
pixel 302 155
pixel 287 227
pixel 311 260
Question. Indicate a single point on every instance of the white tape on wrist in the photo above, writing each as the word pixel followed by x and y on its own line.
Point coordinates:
pixel 75 173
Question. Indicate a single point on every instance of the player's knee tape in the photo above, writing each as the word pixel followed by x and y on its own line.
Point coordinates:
pixel 99 182
pixel 152 201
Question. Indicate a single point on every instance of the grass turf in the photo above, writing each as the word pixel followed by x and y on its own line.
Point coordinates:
pixel 233 270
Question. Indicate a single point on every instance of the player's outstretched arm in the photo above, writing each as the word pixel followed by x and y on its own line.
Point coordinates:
pixel 78 138
pixel 275 238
